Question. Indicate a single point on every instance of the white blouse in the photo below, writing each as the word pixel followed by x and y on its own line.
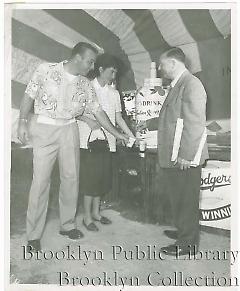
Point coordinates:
pixel 110 102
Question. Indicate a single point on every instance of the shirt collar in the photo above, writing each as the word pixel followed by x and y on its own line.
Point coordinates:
pixel 64 71
pixel 173 83
pixel 98 86
pixel 62 63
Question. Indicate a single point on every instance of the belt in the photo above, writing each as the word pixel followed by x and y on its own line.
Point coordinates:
pixel 52 121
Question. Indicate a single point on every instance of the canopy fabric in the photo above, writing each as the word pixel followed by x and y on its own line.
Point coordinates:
pixel 136 36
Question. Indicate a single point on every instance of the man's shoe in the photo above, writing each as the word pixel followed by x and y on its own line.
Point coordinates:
pixel 34 245
pixel 177 250
pixel 171 234
pixel 91 226
pixel 169 249
pixel 74 234
pixel 103 220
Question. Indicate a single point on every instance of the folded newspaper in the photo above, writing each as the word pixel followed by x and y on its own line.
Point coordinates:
pixel 176 144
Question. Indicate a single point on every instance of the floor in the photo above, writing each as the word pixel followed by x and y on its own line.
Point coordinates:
pixel 125 235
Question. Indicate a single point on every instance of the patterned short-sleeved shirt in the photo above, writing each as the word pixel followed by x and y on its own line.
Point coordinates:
pixel 57 97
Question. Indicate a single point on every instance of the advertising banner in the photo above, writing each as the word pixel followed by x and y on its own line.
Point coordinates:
pixel 215 205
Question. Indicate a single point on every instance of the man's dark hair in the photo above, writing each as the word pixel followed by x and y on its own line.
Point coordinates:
pixel 106 61
pixel 81 47
pixel 176 53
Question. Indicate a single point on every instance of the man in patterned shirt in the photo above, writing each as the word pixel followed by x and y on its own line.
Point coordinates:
pixel 59 92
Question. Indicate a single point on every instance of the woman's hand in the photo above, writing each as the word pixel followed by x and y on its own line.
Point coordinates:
pixel 123 138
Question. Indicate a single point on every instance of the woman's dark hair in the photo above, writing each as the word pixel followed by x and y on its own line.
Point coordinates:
pixel 106 61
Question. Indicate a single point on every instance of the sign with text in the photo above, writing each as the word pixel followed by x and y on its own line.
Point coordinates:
pixel 215 207
pixel 149 103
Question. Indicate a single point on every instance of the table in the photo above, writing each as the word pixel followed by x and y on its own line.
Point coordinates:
pixel 156 206
pixel 146 179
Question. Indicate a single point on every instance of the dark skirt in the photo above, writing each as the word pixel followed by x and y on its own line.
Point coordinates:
pixel 95 173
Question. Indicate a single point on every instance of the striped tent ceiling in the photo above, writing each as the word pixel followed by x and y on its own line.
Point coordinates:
pixel 137 37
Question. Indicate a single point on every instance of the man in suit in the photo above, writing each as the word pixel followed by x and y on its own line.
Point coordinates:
pixel 186 100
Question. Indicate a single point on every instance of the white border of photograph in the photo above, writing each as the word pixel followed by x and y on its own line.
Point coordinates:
pixel 6 132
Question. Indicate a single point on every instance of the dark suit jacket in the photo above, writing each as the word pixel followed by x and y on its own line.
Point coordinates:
pixel 186 100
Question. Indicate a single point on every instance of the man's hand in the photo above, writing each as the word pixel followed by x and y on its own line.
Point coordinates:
pixel 183 164
pixel 22 132
pixel 25 108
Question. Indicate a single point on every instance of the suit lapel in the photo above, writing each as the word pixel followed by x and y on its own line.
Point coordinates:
pixel 173 91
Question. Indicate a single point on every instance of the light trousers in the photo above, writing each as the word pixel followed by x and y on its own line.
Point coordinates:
pixel 49 143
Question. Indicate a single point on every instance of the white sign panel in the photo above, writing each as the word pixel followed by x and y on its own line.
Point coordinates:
pixel 149 103
pixel 215 205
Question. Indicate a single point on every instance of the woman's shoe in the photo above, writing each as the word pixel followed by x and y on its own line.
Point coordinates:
pixel 73 234
pixel 103 220
pixel 91 226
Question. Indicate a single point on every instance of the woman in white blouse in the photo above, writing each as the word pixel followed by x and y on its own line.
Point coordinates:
pixel 95 166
